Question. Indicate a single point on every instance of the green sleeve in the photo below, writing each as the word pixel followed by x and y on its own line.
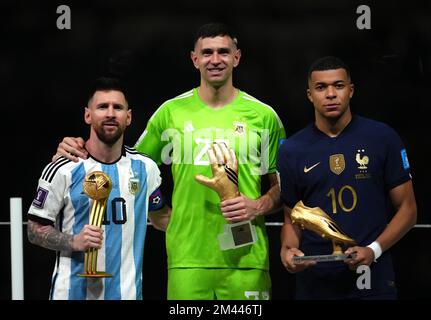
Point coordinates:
pixel 276 134
pixel 150 142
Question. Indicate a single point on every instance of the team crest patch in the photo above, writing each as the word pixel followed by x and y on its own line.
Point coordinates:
pixel 39 200
pixel 133 185
pixel 337 163
pixel 362 160
pixel 239 128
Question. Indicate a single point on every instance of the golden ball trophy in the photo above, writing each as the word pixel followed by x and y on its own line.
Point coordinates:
pixel 316 220
pixel 97 186
pixel 224 167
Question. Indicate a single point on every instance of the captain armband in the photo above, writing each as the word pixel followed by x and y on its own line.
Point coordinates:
pixel 156 201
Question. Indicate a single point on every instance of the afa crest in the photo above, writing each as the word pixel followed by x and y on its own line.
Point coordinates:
pixel 133 185
pixel 239 128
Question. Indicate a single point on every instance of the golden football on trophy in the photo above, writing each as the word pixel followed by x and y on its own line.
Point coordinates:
pixel 97 185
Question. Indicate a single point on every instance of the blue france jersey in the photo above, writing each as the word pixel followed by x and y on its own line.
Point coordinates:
pixel 348 176
pixel 135 178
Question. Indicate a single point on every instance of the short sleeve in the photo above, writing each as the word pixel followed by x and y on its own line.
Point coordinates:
pixel 288 185
pixel 276 135
pixel 154 178
pixel 49 198
pixel 397 166
pixel 151 142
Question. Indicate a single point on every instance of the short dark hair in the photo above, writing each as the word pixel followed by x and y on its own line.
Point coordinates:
pixel 106 84
pixel 328 63
pixel 214 29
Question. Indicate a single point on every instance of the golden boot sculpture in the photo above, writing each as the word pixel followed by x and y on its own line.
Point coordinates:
pixel 316 220
pixel 224 167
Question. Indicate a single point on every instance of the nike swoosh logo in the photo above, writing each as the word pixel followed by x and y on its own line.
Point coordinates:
pixel 311 168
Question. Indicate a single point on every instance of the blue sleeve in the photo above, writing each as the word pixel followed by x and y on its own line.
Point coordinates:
pixel 397 167
pixel 288 186
pixel 156 201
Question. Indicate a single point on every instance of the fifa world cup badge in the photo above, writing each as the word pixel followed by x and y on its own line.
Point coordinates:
pixel 133 185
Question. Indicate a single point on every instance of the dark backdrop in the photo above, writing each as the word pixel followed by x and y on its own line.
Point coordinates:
pixel 45 73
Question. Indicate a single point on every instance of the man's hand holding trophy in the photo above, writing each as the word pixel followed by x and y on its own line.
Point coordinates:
pixel 224 167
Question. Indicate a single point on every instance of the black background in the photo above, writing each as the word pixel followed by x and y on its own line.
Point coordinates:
pixel 45 74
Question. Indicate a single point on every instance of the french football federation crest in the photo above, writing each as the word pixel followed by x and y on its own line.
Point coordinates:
pixel 362 160
pixel 337 163
pixel 239 128
pixel 133 185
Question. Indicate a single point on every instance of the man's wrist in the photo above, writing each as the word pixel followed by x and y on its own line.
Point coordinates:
pixel 261 205
pixel 377 249
pixel 265 204
pixel 72 242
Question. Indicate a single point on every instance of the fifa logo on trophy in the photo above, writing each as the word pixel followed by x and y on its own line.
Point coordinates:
pixel 97 186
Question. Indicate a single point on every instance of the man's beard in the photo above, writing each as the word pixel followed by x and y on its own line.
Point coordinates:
pixel 109 139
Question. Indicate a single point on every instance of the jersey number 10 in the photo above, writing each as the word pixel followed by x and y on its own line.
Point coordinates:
pixel 339 196
pixel 118 210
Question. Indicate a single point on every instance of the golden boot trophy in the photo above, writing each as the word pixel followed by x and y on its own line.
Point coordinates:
pixel 224 167
pixel 97 186
pixel 316 220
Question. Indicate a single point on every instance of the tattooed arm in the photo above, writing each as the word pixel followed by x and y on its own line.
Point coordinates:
pixel 48 237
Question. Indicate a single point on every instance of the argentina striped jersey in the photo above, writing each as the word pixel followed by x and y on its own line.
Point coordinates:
pixel 60 199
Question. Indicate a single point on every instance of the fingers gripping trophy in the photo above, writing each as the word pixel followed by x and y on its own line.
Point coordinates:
pixel 97 186
pixel 224 167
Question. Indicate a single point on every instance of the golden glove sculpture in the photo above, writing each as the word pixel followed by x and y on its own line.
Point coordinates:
pixel 224 167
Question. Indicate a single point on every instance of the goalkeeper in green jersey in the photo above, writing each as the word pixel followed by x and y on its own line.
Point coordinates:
pixel 180 133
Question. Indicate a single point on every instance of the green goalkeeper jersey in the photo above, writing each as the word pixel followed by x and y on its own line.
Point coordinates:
pixel 179 133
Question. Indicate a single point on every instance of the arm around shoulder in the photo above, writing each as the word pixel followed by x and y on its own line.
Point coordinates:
pixel 71 148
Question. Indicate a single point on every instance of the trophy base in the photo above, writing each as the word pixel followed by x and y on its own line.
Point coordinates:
pixel 98 274
pixel 325 258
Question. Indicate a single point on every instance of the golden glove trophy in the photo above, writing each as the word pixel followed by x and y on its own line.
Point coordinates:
pixel 97 186
pixel 316 220
pixel 224 168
